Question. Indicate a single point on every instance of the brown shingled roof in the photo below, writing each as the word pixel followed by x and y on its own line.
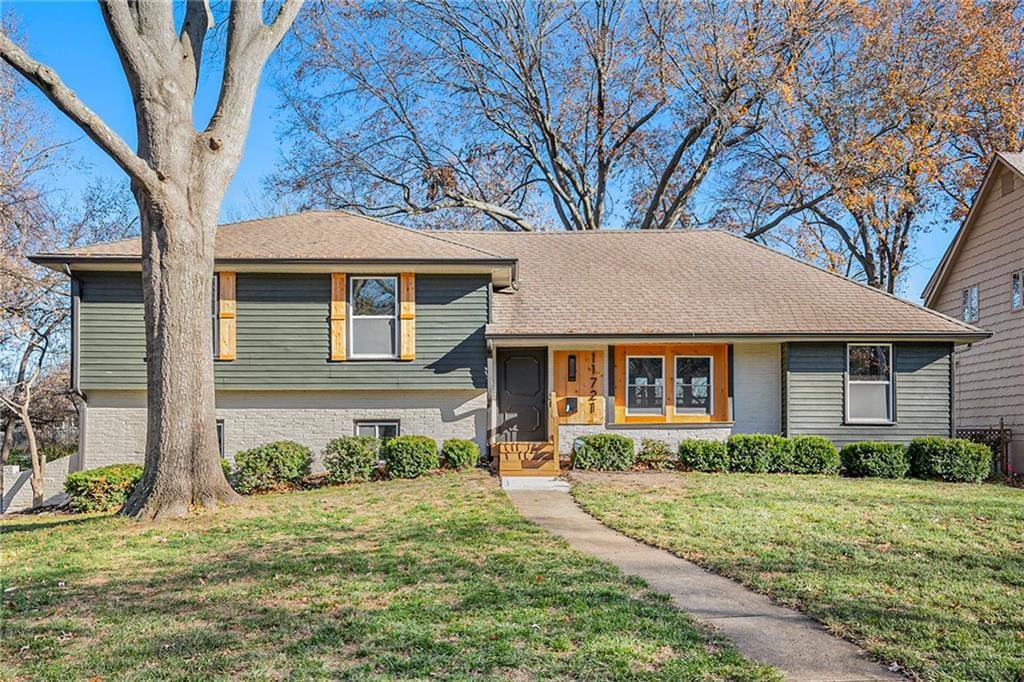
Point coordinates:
pixel 315 235
pixel 609 283
pixel 686 282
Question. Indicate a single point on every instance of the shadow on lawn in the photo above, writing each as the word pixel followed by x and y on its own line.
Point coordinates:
pixel 407 598
pixel 7 528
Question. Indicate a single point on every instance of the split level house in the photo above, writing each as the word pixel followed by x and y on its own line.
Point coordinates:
pixel 328 324
pixel 980 280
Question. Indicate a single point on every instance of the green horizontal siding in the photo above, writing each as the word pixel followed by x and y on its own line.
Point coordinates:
pixel 815 392
pixel 283 336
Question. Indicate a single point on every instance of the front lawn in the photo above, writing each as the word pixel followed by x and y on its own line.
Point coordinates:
pixel 929 575
pixel 438 577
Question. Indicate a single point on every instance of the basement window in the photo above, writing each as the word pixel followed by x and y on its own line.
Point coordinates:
pixel 374 319
pixel 869 398
pixel 220 437
pixel 382 430
pixel 645 384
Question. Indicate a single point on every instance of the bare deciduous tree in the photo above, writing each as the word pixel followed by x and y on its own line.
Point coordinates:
pixel 179 175
pixel 34 310
pixel 525 114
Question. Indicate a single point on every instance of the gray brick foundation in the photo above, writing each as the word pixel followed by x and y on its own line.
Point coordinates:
pixel 567 433
pixel 115 423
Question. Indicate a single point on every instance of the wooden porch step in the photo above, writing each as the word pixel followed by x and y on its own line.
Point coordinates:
pixel 526 458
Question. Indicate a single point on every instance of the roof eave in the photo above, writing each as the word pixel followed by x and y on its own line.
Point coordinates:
pixel 938 278
pixel 51 259
pixel 781 336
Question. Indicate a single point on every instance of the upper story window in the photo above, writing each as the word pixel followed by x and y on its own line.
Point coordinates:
pixel 1017 290
pixel 969 304
pixel 693 385
pixel 374 317
pixel 645 384
pixel 869 396
pixel 215 316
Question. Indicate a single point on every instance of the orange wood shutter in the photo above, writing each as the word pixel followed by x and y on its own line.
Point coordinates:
pixel 226 309
pixel 339 313
pixel 407 317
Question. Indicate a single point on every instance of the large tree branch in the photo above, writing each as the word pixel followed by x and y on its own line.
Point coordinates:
pixel 65 99
pixel 791 211
pixel 250 43
pixel 198 20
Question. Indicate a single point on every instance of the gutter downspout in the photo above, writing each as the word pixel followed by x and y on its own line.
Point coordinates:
pixel 76 387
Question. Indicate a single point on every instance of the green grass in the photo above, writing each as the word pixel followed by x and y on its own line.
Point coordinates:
pixel 928 575
pixel 437 577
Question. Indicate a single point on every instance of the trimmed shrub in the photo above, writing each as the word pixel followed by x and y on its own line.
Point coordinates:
pixel 759 453
pixel 604 452
pixel 410 456
pixel 225 466
pixel 351 458
pixel 949 459
pixel 268 466
pixel 814 455
pixel 101 489
pixel 874 459
pixel 703 455
pixel 459 453
pixel 654 454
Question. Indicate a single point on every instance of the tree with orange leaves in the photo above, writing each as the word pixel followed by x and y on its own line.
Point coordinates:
pixel 890 124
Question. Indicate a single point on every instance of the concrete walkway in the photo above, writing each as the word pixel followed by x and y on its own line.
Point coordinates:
pixel 761 630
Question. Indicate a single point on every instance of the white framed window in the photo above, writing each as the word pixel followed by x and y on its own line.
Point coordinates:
pixel 1017 290
pixel 382 430
pixel 220 437
pixel 869 395
pixel 693 384
pixel 373 321
pixel 645 384
pixel 215 316
pixel 969 304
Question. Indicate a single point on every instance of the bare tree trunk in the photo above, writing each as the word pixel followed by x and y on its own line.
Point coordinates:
pixel 179 177
pixel 36 480
pixel 8 442
pixel 182 466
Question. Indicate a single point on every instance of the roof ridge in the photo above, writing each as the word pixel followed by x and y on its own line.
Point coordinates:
pixel 936 313
pixel 604 231
pixel 414 231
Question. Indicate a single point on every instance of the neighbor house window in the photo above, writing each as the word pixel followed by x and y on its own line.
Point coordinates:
pixel 1007 182
pixel 969 304
pixel 869 383
pixel 645 384
pixel 377 429
pixel 693 385
pixel 374 318
pixel 1017 290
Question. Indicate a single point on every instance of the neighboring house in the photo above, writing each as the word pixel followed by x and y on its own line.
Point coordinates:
pixel 332 324
pixel 980 280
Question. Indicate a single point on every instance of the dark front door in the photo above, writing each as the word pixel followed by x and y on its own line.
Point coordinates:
pixel 522 394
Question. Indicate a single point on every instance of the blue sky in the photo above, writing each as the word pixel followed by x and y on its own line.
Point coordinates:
pixel 71 38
